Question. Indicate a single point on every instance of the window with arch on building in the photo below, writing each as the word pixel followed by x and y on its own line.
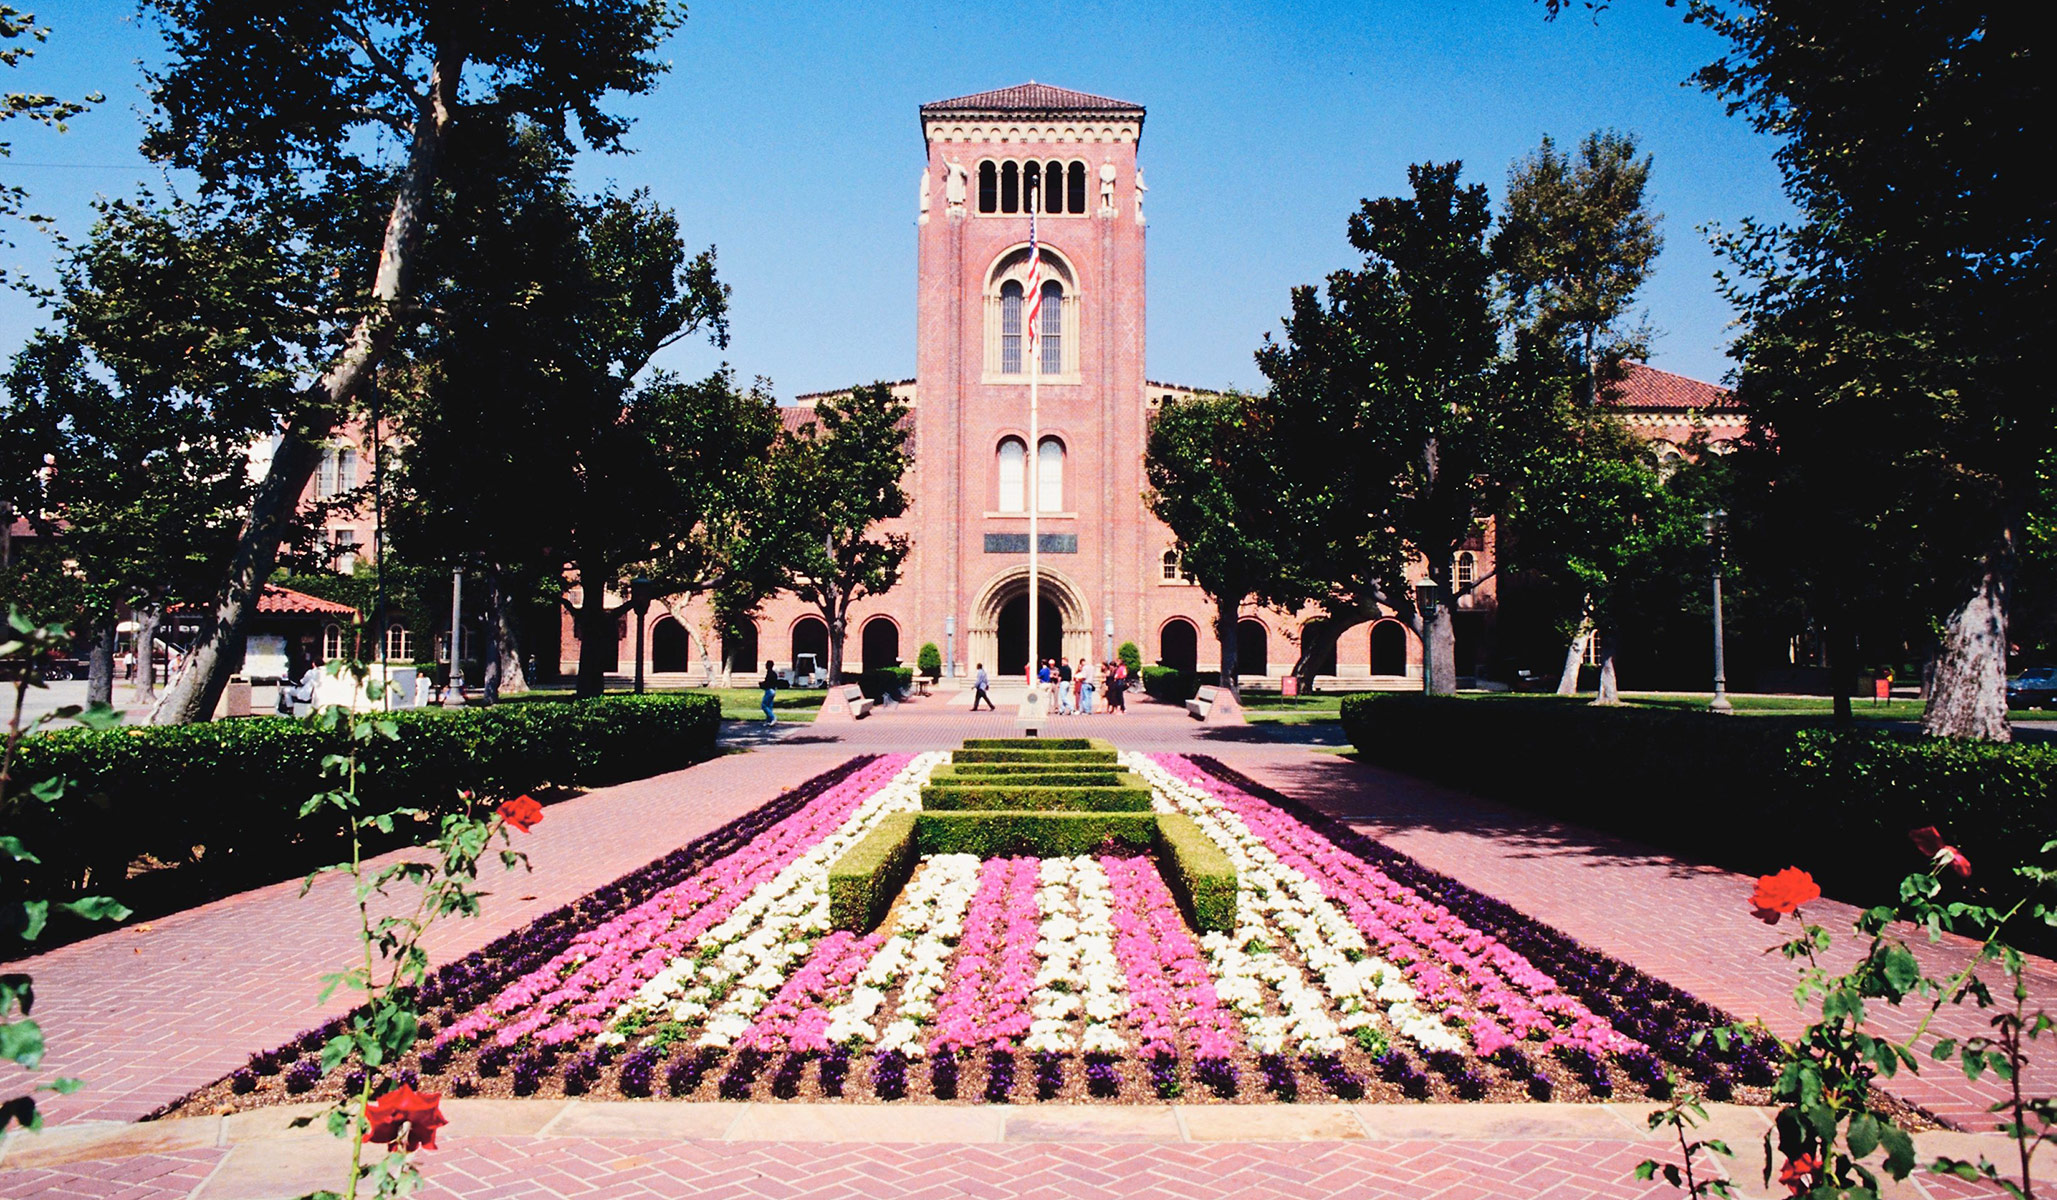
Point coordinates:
pixel 1050 476
pixel 1013 475
pixel 1175 567
pixel 399 643
pixel 1007 314
pixel 1075 192
pixel 1010 187
pixel 1053 188
pixel 989 186
pixel 332 646
pixel 1467 569
pixel 1010 328
pixel 1052 316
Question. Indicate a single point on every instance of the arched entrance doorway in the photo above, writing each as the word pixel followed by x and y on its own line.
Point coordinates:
pixel 739 648
pixel 1178 645
pixel 881 643
pixel 1013 655
pixel 670 648
pixel 810 645
pixel 1388 648
pixel 1253 648
pixel 998 633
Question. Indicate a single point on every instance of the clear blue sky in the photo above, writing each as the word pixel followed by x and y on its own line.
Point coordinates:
pixel 786 136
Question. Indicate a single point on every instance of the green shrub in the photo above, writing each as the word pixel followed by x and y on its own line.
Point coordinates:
pixel 1131 656
pixel 1067 757
pixel 864 881
pixel 930 660
pixel 1091 775
pixel 235 787
pixel 1028 743
pixel 1169 684
pixel 1042 834
pixel 1003 770
pixel 1753 794
pixel 1200 877
pixel 1036 798
pixel 884 681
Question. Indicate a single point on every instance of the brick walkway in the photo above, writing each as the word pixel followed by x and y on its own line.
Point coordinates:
pixel 149 1012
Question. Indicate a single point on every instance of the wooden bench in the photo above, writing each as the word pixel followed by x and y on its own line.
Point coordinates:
pixel 1201 703
pixel 860 707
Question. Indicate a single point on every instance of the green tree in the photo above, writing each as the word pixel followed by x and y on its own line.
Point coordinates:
pixel 304 106
pixel 1899 322
pixel 1212 481
pixel 15 26
pixel 835 479
pixel 1398 426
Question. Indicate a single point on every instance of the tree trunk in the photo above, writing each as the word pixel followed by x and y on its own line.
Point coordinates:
pixel 100 662
pixel 1842 667
pixel 599 648
pixel 1226 614
pixel 504 667
pixel 1318 643
pixel 147 617
pixel 837 617
pixel 1439 651
pixel 1609 692
pixel 1969 699
pixel 1574 658
pixel 193 694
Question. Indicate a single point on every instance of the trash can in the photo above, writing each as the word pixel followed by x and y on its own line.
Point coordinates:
pixel 1289 685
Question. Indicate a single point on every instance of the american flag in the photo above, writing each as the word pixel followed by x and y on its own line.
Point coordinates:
pixel 1034 283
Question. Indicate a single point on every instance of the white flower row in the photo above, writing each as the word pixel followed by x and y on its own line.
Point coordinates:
pixel 917 957
pixel 751 952
pixel 1080 974
pixel 1275 903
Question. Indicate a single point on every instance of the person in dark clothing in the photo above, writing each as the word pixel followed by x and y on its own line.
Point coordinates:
pixel 771 689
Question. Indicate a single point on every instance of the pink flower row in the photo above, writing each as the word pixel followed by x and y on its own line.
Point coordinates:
pixel 986 1001
pixel 571 995
pixel 797 1018
pixel 1439 950
pixel 1171 994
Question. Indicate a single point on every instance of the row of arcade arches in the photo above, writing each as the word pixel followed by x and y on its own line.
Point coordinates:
pixel 672 649
pixel 1179 646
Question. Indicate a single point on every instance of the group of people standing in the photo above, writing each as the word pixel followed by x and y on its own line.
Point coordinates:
pixel 1069 687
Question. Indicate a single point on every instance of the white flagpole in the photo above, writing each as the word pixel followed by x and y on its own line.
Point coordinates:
pixel 1034 341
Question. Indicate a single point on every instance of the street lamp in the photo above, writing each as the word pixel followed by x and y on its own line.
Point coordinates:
pixel 1428 597
pixel 639 600
pixel 1716 522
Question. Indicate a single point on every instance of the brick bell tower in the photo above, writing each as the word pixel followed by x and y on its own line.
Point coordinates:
pixel 990 156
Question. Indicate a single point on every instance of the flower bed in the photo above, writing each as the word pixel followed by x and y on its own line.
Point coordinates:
pixel 1349 972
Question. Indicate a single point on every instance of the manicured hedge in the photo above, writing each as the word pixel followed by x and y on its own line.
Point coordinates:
pixel 982 770
pixel 1093 775
pixel 864 881
pixel 1753 794
pixel 1169 683
pixel 1070 757
pixel 235 788
pixel 1041 834
pixel 1035 799
pixel 1200 877
pixel 882 681
pixel 1028 743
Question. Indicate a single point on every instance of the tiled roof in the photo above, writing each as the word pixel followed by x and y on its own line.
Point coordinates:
pixel 276 600
pixel 1646 387
pixel 1032 97
pixel 793 416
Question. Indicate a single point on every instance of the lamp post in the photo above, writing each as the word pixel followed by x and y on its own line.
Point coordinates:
pixel 1427 597
pixel 1110 640
pixel 1715 523
pixel 453 695
pixel 950 646
pixel 639 600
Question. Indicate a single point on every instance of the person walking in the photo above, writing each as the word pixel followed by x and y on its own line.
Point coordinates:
pixel 1117 689
pixel 979 684
pixel 771 690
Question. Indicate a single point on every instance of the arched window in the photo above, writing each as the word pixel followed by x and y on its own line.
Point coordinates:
pixel 1053 187
pixel 1010 328
pixel 1053 327
pixel 331 641
pixel 1076 193
pixel 1013 475
pixel 989 186
pixel 1010 188
pixel 399 643
pixel 1467 569
pixel 1050 476
pixel 1171 565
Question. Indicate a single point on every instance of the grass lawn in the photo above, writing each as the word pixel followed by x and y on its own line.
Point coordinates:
pixel 1891 710
pixel 1268 707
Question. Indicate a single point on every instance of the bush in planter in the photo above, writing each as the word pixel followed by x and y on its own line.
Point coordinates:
pixel 1131 657
pixel 930 660
pixel 882 681
pixel 1169 683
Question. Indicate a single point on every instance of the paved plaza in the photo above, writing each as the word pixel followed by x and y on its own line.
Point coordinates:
pixel 149 1012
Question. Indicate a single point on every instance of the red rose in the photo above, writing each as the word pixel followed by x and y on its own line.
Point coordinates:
pixel 1785 892
pixel 1929 840
pixel 420 1112
pixel 1794 1174
pixel 520 812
